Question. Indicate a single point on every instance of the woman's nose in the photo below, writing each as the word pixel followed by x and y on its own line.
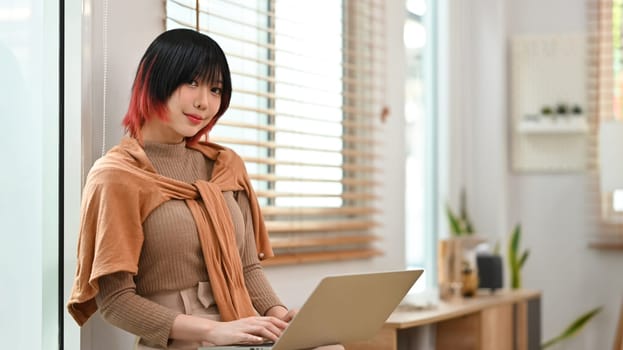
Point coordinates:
pixel 202 100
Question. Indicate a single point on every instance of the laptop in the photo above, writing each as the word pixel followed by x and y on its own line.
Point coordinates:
pixel 342 309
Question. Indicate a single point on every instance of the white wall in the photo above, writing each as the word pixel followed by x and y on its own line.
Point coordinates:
pixel 553 209
pixel 573 277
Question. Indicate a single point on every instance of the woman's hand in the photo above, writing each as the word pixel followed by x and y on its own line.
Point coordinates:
pixel 281 313
pixel 249 330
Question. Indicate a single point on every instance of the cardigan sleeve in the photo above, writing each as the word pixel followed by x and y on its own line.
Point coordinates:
pixel 110 239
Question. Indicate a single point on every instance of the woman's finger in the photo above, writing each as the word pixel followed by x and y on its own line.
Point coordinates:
pixel 268 331
pixel 252 339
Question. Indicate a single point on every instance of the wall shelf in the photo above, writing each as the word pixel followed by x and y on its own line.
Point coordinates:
pixel 548 125
pixel 548 70
pixel 606 241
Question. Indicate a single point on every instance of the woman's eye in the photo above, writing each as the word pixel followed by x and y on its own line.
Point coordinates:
pixel 193 83
pixel 217 90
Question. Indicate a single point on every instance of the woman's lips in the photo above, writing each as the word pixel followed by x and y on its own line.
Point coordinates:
pixel 195 119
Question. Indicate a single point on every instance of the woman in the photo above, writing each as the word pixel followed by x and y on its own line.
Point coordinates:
pixel 171 231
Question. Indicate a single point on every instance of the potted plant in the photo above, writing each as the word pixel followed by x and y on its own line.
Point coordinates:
pixel 455 267
pixel 460 225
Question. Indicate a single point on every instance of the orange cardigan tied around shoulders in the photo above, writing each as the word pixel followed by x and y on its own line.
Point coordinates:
pixel 121 191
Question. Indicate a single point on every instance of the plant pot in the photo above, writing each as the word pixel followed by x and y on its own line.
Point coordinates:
pixel 452 255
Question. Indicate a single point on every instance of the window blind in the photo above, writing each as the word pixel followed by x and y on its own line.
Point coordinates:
pixel 308 80
pixel 604 45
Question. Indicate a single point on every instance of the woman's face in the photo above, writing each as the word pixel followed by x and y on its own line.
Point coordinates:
pixel 190 108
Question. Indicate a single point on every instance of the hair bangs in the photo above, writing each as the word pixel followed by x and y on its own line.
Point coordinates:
pixel 190 57
pixel 211 70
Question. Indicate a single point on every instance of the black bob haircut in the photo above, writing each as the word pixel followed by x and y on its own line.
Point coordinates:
pixel 175 57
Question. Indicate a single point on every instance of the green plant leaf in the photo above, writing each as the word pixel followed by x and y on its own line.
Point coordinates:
pixel 523 258
pixel 463 206
pixel 572 329
pixel 455 225
pixel 465 221
pixel 469 228
pixel 516 237
pixel 512 250
pixel 514 266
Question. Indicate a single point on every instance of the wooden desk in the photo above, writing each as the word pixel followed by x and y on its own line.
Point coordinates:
pixel 506 320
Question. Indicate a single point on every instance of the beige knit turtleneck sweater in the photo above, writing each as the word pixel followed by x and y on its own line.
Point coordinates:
pixel 171 258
